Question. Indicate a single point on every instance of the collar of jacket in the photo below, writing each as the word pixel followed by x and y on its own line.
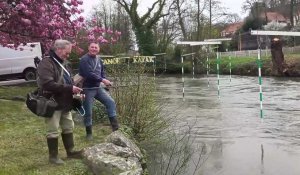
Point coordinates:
pixel 92 56
pixel 52 54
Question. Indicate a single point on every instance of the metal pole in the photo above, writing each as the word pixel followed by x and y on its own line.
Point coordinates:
pixel 230 69
pixel 260 82
pixel 165 63
pixel 210 18
pixel 154 66
pixel 182 71
pixel 207 68
pixel 128 63
pixel 159 54
pixel 218 71
pixel 193 67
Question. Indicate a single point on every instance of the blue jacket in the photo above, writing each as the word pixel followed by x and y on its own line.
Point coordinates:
pixel 86 70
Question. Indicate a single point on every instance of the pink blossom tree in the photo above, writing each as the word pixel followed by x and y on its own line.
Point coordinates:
pixel 23 21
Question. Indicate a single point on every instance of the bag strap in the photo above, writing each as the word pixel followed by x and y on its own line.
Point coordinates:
pixel 61 76
pixel 97 61
pixel 59 81
pixel 62 67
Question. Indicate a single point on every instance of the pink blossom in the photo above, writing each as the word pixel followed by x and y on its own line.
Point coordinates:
pixel 28 12
pixel 81 19
pixel 100 38
pixel 118 33
pixel 74 2
pixel 103 41
pixel 20 6
pixel 91 37
pixel 26 21
pixel 69 3
pixel 26 1
pixel 113 40
pixel 62 20
pixel 109 31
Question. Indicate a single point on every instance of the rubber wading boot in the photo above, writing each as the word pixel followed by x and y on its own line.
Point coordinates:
pixel 68 141
pixel 114 123
pixel 53 151
pixel 89 133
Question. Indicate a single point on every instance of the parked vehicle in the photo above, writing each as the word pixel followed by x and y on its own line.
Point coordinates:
pixel 19 62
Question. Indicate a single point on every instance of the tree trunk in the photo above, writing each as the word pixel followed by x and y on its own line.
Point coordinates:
pixel 181 19
pixel 144 37
pixel 143 26
pixel 279 67
pixel 292 13
pixel 198 21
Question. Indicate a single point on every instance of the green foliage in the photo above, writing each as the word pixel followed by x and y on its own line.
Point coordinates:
pixel 99 113
pixel 177 54
pixel 175 68
pixel 240 65
pixel 145 40
pixel 136 102
pixel 252 23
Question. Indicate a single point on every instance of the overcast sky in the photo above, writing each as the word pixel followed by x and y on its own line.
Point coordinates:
pixel 234 6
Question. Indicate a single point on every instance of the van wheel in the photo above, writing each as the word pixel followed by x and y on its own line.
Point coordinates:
pixel 30 74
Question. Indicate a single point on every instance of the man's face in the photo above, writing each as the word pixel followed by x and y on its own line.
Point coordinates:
pixel 94 49
pixel 65 52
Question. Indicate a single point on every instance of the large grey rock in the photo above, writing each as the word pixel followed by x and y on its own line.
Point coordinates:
pixel 134 172
pixel 120 139
pixel 112 159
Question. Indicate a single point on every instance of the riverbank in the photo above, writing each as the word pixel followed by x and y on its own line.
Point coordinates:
pixel 245 66
pixel 249 66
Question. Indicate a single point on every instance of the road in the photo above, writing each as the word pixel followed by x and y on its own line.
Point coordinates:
pixel 14 82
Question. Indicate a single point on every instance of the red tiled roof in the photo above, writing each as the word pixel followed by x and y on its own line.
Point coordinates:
pixel 274 16
pixel 232 28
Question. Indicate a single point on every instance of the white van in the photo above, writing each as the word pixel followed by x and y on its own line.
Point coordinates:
pixel 19 63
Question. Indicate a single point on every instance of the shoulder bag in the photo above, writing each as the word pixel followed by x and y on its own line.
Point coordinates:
pixel 41 105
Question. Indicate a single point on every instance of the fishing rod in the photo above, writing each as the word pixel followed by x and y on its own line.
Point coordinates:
pixel 108 87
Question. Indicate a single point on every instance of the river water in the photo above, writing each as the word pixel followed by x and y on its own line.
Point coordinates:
pixel 238 141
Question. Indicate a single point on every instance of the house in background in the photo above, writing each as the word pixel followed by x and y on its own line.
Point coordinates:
pixel 245 41
pixel 274 16
pixel 231 29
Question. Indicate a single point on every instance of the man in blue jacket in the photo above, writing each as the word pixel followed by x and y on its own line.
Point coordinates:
pixel 91 69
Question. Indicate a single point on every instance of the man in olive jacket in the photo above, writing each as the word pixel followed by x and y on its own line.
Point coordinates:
pixel 54 80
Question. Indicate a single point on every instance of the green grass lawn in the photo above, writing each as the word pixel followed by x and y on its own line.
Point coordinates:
pixel 23 147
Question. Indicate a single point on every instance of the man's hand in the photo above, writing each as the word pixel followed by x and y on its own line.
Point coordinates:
pixel 76 90
pixel 106 82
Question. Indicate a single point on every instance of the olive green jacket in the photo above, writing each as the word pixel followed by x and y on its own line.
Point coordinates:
pixel 50 82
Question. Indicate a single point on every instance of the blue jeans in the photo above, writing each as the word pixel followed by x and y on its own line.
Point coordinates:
pixel 101 95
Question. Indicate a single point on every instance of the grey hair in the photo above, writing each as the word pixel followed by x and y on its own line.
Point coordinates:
pixel 61 44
